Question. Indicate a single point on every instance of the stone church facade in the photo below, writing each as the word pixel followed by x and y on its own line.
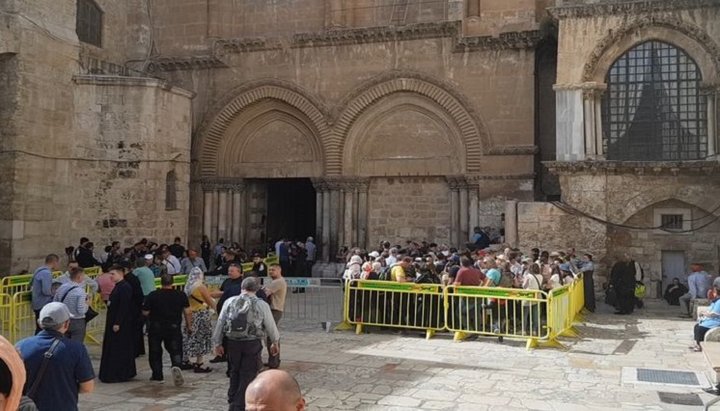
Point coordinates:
pixel 367 120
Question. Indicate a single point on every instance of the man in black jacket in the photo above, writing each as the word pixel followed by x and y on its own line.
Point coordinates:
pixel 622 279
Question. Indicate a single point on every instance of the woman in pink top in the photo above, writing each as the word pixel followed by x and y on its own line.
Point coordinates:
pixel 106 285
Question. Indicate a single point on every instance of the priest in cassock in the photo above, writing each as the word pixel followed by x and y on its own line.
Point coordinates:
pixel 117 363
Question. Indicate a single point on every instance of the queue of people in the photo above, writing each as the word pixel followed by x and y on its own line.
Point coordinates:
pixel 180 321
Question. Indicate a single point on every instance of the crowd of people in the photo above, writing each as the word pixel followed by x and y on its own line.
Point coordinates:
pixel 181 321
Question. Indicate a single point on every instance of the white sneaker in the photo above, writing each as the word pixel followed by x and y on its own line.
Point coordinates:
pixel 177 375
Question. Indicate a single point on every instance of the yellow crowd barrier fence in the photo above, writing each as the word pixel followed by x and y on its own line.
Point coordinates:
pixel 538 317
pixel 394 305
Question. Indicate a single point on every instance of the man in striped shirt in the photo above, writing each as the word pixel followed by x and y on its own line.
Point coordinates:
pixel 73 295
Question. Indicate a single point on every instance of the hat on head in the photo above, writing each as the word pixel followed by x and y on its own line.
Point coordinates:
pixel 53 314
pixel 149 257
pixel 310 239
pixel 374 254
pixel 716 283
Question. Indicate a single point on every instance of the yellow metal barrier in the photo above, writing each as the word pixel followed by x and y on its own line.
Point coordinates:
pixel 5 313
pixel 560 316
pixel 15 284
pixel 395 305
pixel 500 312
pixel 179 281
pixel 22 317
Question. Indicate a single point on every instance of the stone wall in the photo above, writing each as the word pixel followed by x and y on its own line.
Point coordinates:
pixel 72 150
pixel 407 208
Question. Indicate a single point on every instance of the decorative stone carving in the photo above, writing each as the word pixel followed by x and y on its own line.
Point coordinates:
pixel 213 132
pixel 513 40
pixel 340 36
pixel 472 129
pixel 243 45
pixel 184 63
pixel 694 32
pixel 628 7
pixel 633 167
pixel 337 37
pixel 513 150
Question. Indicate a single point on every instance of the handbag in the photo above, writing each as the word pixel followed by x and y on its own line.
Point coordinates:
pixel 640 290
pixel 90 314
pixel 611 296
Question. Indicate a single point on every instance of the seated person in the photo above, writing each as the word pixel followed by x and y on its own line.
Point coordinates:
pixel 674 291
pixel 707 320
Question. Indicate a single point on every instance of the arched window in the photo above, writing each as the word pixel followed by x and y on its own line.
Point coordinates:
pixel 653 109
pixel 171 191
pixel 88 22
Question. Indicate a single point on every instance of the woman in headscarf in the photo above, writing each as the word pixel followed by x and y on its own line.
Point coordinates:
pixel 117 363
pixel 353 269
pixel 12 378
pixel 198 343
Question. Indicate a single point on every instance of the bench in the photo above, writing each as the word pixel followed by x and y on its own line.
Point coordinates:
pixel 711 352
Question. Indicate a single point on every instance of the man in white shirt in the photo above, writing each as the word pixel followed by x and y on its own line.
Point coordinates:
pixel 171 262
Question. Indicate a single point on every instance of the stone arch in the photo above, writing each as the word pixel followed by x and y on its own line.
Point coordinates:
pixel 264 138
pixel 692 39
pixel 280 95
pixel 648 198
pixel 365 152
pixel 473 134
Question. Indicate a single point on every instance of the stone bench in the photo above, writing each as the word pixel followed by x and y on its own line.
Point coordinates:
pixel 711 352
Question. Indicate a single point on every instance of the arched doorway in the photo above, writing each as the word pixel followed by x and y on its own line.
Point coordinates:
pixel 256 161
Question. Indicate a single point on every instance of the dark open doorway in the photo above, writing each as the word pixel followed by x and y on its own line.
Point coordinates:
pixel 290 209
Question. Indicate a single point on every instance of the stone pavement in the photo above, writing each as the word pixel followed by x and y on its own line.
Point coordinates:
pixel 386 371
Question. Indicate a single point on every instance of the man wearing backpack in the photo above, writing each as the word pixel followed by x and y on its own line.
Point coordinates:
pixel 244 320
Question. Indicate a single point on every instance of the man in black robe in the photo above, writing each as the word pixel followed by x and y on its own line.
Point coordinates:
pixel 622 279
pixel 137 301
pixel 117 363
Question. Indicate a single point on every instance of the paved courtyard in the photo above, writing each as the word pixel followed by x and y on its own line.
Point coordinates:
pixel 386 371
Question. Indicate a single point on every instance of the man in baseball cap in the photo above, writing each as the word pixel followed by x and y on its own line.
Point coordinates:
pixel 68 371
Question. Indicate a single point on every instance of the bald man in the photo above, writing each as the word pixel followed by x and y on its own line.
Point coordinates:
pixel 274 390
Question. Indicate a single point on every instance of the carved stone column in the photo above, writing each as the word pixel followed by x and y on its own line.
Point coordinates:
pixel 326 224
pixel 349 208
pixel 592 113
pixel 464 218
pixel 362 212
pixel 511 223
pixel 238 212
pixel 474 204
pixel 223 212
pixel 454 184
pixel 712 95
pixel 208 189
pixel 214 219
pixel 321 215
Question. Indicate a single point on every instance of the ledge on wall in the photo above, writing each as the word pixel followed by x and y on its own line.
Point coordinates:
pixel 570 9
pixel 703 167
pixel 124 81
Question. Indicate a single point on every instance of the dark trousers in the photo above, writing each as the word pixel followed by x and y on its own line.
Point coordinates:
pixel 140 335
pixel 589 291
pixel 76 331
pixel 626 301
pixel 700 332
pixel 168 335
pixel 245 362
pixel 286 267
pixel 274 360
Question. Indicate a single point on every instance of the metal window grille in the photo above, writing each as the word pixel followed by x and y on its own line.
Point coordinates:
pixel 653 109
pixel 88 24
pixel 672 221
